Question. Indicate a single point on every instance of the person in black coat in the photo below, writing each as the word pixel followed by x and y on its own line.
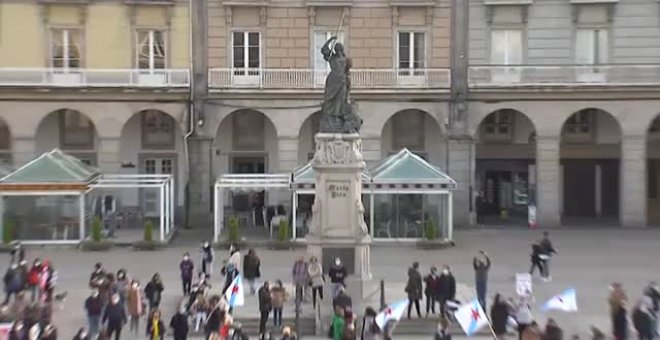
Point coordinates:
pixel 337 274
pixel 179 324
pixel 430 288
pixel 153 321
pixel 251 269
pixel 153 291
pixel 499 315
pixel 265 306
pixel 414 288
pixel 536 259
pixel 446 288
pixel 114 317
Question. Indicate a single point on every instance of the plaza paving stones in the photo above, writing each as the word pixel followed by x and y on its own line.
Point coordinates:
pixel 589 260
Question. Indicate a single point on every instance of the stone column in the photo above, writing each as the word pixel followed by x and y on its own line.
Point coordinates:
pixel 633 182
pixel 108 155
pixel 24 149
pixel 460 167
pixel 200 182
pixel 547 181
pixel 287 154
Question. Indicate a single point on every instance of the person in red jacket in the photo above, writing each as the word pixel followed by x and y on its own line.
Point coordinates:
pixel 34 278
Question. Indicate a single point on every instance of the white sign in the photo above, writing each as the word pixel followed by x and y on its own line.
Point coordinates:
pixel 523 284
pixel 531 216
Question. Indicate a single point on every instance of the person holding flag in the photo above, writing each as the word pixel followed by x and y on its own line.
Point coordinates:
pixel 391 312
pixel 235 294
pixel 471 317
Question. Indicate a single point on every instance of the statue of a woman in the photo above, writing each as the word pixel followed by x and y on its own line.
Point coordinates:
pixel 335 85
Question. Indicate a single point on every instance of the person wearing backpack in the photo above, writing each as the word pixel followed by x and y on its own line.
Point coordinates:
pixel 370 329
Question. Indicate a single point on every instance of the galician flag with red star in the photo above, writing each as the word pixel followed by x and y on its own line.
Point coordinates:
pixel 391 312
pixel 235 295
pixel 471 317
pixel 566 301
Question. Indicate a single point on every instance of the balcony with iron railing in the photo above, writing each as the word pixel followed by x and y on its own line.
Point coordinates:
pixel 361 79
pixel 55 77
pixel 613 75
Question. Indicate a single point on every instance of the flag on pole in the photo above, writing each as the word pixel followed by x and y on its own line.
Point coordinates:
pixel 235 295
pixel 391 312
pixel 566 301
pixel 471 317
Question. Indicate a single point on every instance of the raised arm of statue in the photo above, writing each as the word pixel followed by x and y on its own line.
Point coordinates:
pixel 326 50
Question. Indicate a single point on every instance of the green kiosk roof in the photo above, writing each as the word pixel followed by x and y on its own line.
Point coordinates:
pixel 54 167
pixel 405 167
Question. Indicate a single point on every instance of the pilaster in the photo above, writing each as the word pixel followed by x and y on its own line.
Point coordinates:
pixel 200 181
pixel 633 182
pixel 460 168
pixel 24 149
pixel 547 181
pixel 108 155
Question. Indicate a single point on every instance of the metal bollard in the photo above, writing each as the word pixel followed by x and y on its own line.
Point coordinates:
pixel 382 295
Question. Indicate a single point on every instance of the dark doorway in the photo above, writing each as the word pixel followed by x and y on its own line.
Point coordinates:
pixel 241 201
pixel 579 189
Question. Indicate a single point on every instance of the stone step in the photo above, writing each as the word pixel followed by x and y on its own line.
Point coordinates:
pixel 251 326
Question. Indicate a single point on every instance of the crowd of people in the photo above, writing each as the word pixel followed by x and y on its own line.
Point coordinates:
pixel 30 297
pixel 118 299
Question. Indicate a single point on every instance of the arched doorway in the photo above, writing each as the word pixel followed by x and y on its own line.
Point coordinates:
pixel 417 131
pixel 590 154
pixel 395 215
pixel 246 143
pixel 308 130
pixel 653 172
pixel 505 168
pixel 5 145
pixel 151 143
pixel 71 131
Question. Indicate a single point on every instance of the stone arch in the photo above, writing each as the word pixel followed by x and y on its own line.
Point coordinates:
pixel 505 155
pixel 243 134
pixel 653 171
pixel 70 130
pixel 308 129
pixel 417 130
pixel 590 152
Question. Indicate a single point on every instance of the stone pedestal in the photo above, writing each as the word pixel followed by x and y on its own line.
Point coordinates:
pixel 338 227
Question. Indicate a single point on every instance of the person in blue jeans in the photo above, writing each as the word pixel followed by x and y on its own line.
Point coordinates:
pixel 94 307
pixel 481 264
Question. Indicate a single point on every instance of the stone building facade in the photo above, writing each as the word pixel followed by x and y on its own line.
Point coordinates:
pixel 523 102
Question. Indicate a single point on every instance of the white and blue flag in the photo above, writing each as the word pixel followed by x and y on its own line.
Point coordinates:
pixel 566 301
pixel 391 312
pixel 471 317
pixel 235 295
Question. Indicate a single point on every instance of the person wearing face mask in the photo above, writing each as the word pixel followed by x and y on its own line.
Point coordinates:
pixel 153 291
pixel 135 306
pixel 122 285
pixel 94 307
pixel 187 268
pixel 34 278
pixel 430 284
pixel 337 274
pixel 114 317
pixel 446 288
pixel 206 258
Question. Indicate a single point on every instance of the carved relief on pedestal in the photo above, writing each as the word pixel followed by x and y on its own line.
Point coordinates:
pixel 338 150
